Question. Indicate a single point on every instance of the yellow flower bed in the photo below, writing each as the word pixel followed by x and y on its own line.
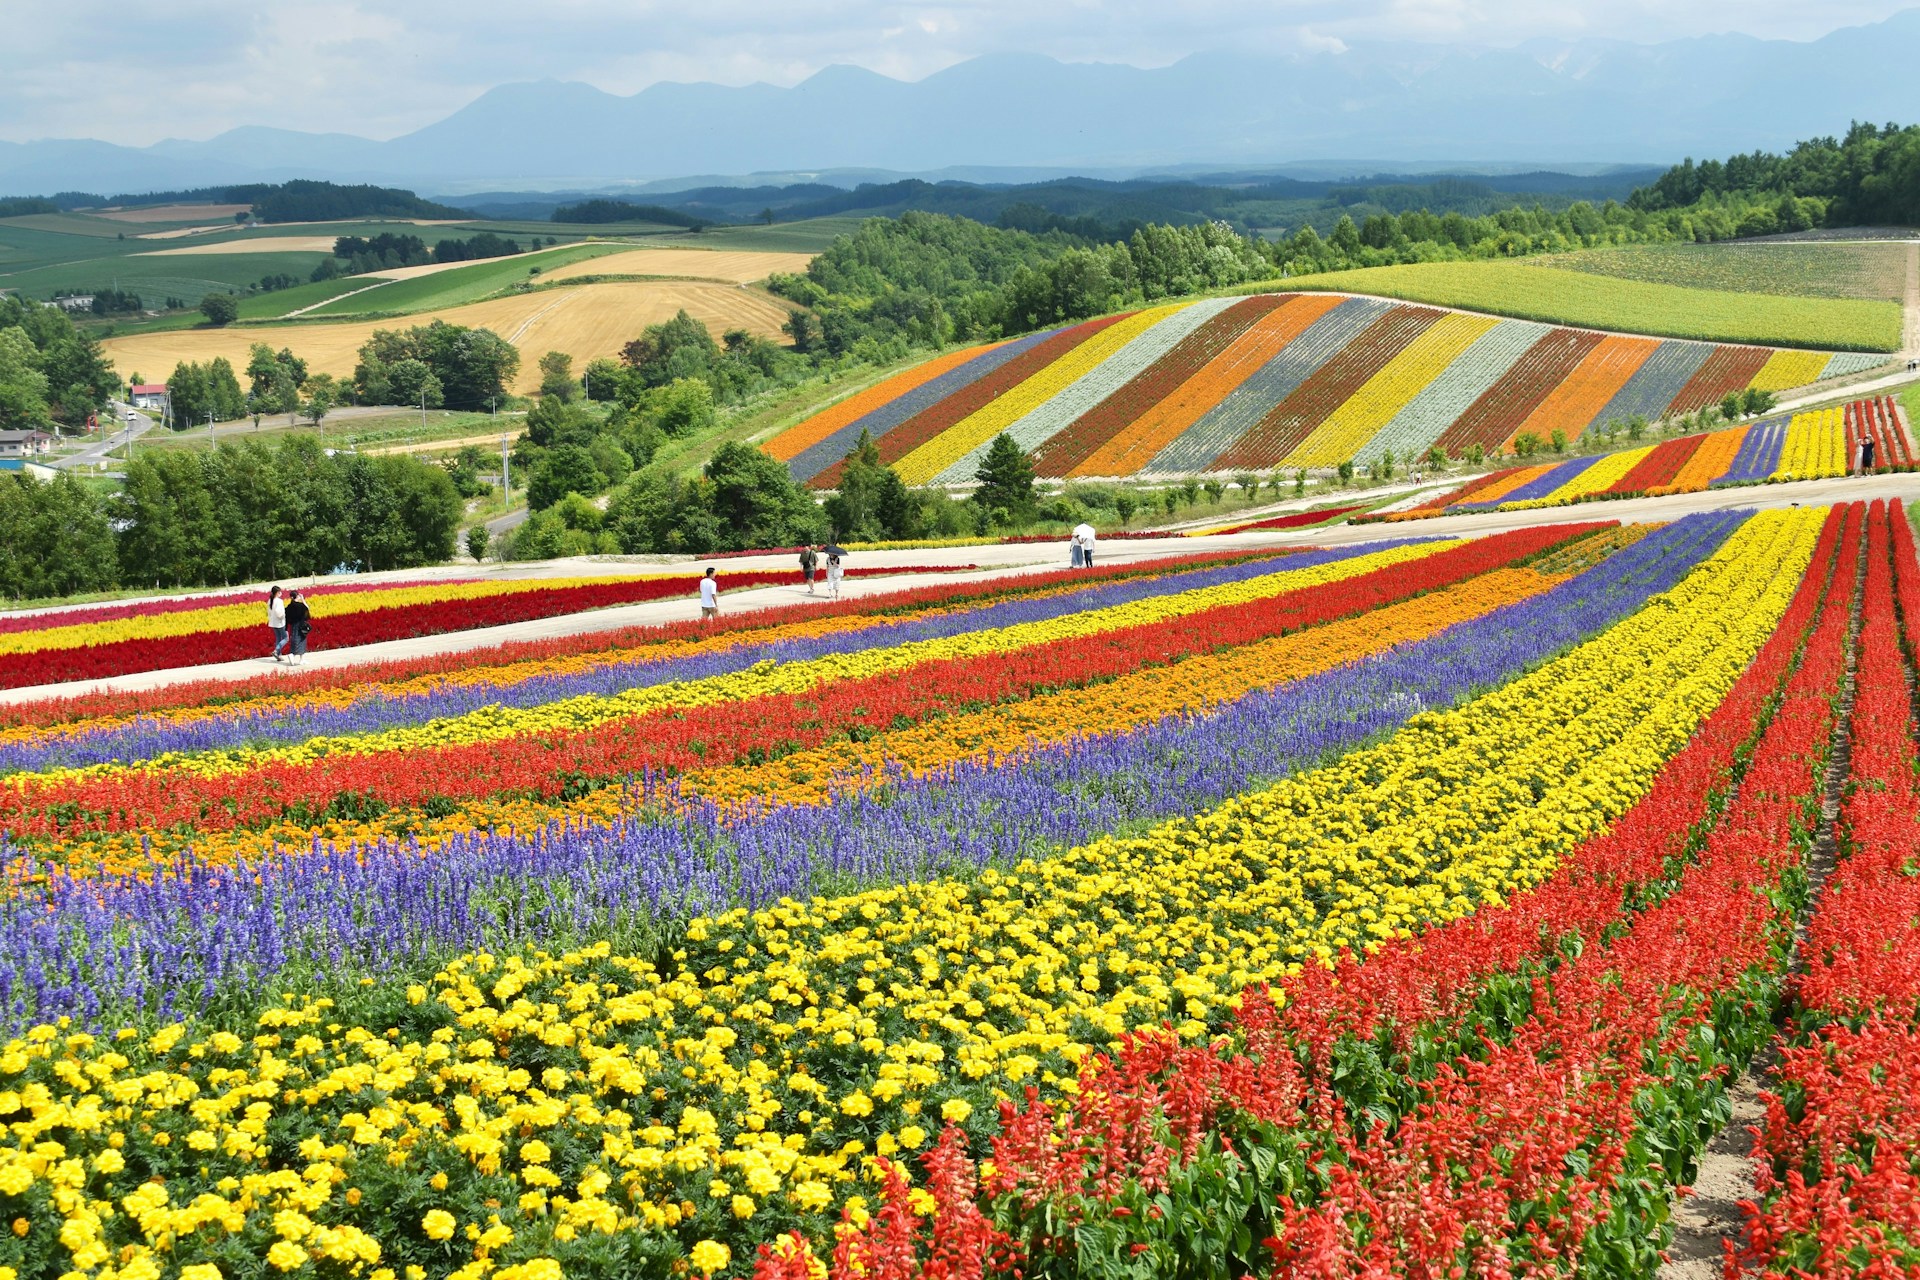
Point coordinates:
pixel 591 710
pixel 1815 448
pixel 520 1106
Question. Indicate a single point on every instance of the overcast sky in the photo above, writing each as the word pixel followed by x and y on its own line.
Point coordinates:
pixel 136 71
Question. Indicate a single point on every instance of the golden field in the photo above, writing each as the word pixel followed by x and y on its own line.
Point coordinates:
pixel 586 322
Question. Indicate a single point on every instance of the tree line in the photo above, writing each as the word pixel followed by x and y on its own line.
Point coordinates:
pixel 49 370
pixel 238 513
pixel 1871 176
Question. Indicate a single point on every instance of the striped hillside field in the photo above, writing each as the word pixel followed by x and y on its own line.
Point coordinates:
pixel 1352 427
pixel 1496 416
pixel 1128 406
pixel 1218 430
pixel 1284 380
pixel 1205 391
pixel 1142 348
pixel 1568 408
pixel 1441 402
pixel 1013 403
pixel 1330 387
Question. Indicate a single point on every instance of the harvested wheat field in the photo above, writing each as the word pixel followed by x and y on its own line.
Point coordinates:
pixel 586 322
pixel 171 212
pixel 257 244
pixel 741 266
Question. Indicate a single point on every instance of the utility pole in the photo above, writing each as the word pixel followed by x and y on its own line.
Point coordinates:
pixel 506 475
pixel 423 406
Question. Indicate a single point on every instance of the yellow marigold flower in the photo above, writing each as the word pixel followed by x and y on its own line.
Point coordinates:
pixel 438 1224
pixel 743 1206
pixel 710 1256
pixel 201 1271
pixel 955 1110
pixel 285 1255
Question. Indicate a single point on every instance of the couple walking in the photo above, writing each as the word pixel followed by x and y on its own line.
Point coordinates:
pixel 290 620
pixel 1083 540
pixel 810 561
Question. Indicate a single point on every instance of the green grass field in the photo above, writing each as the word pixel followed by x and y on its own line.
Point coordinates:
pixel 809 236
pixel 400 427
pixel 1799 270
pixel 1558 296
pixel 460 285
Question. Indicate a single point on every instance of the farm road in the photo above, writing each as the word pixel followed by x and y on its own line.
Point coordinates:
pixel 992 562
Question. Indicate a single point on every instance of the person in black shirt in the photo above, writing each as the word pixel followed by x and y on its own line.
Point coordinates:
pixel 299 623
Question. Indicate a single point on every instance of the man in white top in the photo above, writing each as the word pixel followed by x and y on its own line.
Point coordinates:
pixel 709 597
pixel 1083 534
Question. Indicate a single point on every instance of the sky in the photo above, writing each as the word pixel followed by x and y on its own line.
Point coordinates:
pixel 136 71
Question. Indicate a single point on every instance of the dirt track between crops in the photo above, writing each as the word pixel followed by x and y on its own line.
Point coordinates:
pixel 992 562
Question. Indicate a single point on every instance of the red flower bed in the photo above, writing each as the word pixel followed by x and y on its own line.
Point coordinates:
pixel 1293 520
pixel 1877 420
pixel 15 622
pixel 55 711
pixel 1659 466
pixel 1498 413
pixel 371 626
pixel 674 739
pixel 1334 383
pixel 1727 369
pixel 1837 1169
pixel 1072 446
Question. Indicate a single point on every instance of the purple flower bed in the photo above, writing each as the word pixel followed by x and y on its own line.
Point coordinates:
pixel 1759 454
pixel 1538 487
pixel 144 738
pixel 106 950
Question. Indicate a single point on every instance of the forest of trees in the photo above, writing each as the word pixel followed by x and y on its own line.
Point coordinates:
pixel 237 513
pixel 48 368
pixel 1871 177
pixel 604 211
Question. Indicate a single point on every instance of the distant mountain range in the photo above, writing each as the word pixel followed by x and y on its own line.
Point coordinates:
pixel 1404 104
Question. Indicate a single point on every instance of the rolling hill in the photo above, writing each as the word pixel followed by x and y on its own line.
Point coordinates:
pixel 1276 380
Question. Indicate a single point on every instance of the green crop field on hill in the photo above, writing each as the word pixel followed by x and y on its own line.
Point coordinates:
pixel 462 284
pixel 1798 270
pixel 1558 296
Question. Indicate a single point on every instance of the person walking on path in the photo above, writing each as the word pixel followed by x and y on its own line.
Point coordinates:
pixel 709 597
pixel 277 622
pixel 299 623
pixel 1083 534
pixel 1866 456
pixel 1074 554
pixel 833 575
pixel 808 561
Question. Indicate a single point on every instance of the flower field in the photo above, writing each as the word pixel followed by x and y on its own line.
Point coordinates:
pixel 1817 444
pixel 112 640
pixel 1397 908
pixel 1288 380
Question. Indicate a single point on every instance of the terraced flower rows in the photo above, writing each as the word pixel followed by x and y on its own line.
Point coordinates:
pixel 1818 444
pixel 1289 380
pixel 1407 899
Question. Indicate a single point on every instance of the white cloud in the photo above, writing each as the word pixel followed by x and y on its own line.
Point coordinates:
pixel 134 71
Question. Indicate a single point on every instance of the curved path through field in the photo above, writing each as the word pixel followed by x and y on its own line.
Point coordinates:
pixel 990 561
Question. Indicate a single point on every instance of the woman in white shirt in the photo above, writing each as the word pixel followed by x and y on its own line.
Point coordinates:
pixel 277 622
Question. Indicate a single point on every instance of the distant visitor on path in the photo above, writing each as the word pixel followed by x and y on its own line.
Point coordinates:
pixel 1866 455
pixel 709 596
pixel 277 622
pixel 299 624
pixel 1074 554
pixel 808 561
pixel 833 572
pixel 1083 535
